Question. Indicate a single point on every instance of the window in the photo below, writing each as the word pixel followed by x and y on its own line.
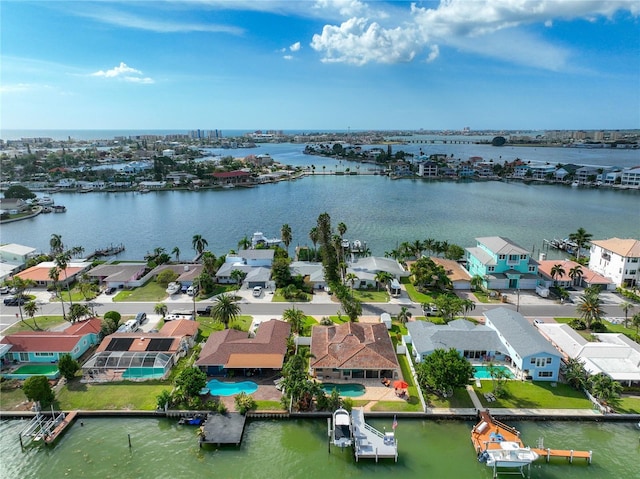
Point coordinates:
pixel 523 256
pixel 491 269
pixel 513 257
pixel 532 269
pixel 502 256
pixel 533 360
pixel 548 360
pixel 43 354
pixel 545 374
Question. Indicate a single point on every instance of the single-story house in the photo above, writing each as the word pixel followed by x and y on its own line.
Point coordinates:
pixel 367 268
pixel 587 278
pixel 475 342
pixel 312 272
pixel 140 355
pixel 237 350
pixel 612 354
pixel 459 276
pixel 48 346
pixel 187 272
pixel 119 275
pixel 353 351
pixel 532 356
pixel 16 254
pixel 40 273
pixel 254 263
pixel 231 177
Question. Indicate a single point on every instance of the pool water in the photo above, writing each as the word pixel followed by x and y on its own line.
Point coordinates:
pixel 218 388
pixel 347 390
pixel 482 372
pixel 39 369
pixel 143 373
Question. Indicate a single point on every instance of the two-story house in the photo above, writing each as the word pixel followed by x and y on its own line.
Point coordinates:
pixel 617 259
pixel 502 264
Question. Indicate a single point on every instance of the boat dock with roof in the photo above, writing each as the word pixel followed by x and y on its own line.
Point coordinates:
pixel 47 429
pixel 221 429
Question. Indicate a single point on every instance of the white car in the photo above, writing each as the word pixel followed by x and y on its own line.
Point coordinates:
pixel 173 288
pixel 257 291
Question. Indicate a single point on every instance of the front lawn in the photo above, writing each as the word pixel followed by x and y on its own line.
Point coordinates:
pixel 152 291
pixel 535 395
pixel 207 325
pixel 43 322
pixel 279 298
pixel 371 296
pixel 111 396
pixel 416 296
pixel 309 322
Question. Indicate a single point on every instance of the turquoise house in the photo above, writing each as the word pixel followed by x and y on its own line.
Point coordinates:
pixel 502 264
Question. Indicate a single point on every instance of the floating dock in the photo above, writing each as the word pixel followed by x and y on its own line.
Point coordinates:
pixel 369 443
pixel 223 429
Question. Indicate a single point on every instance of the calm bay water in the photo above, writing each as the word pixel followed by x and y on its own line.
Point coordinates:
pixel 298 448
pixel 380 211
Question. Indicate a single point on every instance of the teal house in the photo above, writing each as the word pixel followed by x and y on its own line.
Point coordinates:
pixel 502 264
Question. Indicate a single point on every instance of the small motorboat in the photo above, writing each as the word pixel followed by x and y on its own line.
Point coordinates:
pixel 508 454
pixel 196 420
pixel 342 436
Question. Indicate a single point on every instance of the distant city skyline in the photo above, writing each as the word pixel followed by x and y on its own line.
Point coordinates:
pixel 320 65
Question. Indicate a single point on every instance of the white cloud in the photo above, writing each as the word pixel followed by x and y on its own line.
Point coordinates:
pixel 469 25
pixel 295 47
pixel 288 57
pixel 17 87
pixel 124 72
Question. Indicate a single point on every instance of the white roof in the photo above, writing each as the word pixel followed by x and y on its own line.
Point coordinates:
pixel 613 354
pixel 18 249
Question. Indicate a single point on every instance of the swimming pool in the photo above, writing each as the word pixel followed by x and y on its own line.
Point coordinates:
pixel 482 372
pixel 347 390
pixel 218 388
pixel 143 373
pixel 28 370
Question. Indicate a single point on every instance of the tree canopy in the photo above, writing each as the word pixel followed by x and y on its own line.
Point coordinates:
pixel 19 192
pixel 191 381
pixel 37 388
pixel 68 366
pixel 442 371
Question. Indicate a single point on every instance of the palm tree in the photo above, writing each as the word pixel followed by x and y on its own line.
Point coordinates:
pixel 244 243
pixel 62 261
pixel 477 282
pixel 383 277
pixel 590 307
pixel 176 251
pixel 429 245
pixel 225 309
pixel 199 243
pixel 56 245
pixel 161 309
pixel 285 235
pixel 342 229
pixel 296 318
pixel 404 315
pixel 238 276
pixel 54 275
pixel 351 278
pixel 575 374
pixel 604 388
pixel 575 274
pixel 557 271
pixel 635 321
pixel 468 305
pixel 314 236
pixel 30 309
pixel 581 238
pixel 626 307
pixel 416 248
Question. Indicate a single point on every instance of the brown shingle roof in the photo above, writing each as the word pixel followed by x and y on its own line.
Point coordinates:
pixel 180 327
pixel 270 340
pixel 353 346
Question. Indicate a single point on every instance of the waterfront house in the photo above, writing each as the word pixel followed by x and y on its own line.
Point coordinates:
pixel 48 346
pixel 231 178
pixel 587 278
pixel 255 263
pixel 13 206
pixel 187 272
pixel 428 169
pixel 312 272
pixel 233 350
pixel 121 275
pixel 140 355
pixel 367 268
pixel 39 273
pixel 475 342
pixel 526 350
pixel 617 259
pixel 630 176
pixel 353 351
pixel 16 254
pixel 611 353
pixel 502 264
pixel 459 277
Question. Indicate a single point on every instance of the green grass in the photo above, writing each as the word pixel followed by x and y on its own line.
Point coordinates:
pixel 484 297
pixel 269 406
pixel 416 296
pixel 339 320
pixel 412 405
pixel 460 399
pixel 111 396
pixel 207 324
pixel 309 322
pixel 626 405
pixel 279 298
pixel 152 291
pixel 11 395
pixel 44 322
pixel 611 328
pixel 535 395
pixel 371 296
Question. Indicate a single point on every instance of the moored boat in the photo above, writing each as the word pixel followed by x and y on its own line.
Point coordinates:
pixel 342 433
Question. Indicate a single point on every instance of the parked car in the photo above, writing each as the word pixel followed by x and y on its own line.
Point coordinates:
pixel 173 288
pixel 110 290
pixel 257 291
pixel 205 311
pixel 14 301
pixel 192 290
pixel 141 318
pixel 430 309
pixel 4 290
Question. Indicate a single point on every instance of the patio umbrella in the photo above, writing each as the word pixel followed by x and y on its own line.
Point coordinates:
pixel 400 384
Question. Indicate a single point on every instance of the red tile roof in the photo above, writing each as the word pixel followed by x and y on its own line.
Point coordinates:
pixel 40 273
pixel 52 341
pixel 267 349
pixel 353 346
pixel 180 327
pixel 231 174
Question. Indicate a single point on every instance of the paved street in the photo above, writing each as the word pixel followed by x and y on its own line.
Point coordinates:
pixel 528 304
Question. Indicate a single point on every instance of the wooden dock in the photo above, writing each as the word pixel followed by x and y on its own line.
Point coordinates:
pixel 485 434
pixel 61 427
pixel 369 443
pixel 221 429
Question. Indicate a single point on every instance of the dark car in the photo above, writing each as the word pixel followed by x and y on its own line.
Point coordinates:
pixel 14 301
pixel 141 318
pixel 110 290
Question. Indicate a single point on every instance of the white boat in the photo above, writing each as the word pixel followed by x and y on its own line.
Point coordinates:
pixel 45 201
pixel 506 454
pixel 173 288
pixel 575 184
pixel 342 434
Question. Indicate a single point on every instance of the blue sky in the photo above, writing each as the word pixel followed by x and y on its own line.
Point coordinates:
pixel 324 64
